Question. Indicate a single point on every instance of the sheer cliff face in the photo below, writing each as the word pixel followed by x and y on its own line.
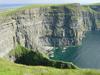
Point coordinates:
pixel 49 27
pixel 91 17
pixel 44 28
pixel 6 36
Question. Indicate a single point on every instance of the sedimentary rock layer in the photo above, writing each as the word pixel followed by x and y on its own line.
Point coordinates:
pixel 42 28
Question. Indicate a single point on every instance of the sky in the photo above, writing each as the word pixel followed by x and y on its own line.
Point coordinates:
pixel 47 1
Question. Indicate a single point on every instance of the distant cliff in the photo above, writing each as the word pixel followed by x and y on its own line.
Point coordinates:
pixel 45 27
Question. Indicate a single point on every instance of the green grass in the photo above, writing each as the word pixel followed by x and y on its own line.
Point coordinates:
pixel 9 68
pixel 72 7
pixel 51 7
pixel 97 4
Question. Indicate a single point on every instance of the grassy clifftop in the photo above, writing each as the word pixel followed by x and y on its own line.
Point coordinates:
pixel 72 7
pixel 12 11
pixel 9 68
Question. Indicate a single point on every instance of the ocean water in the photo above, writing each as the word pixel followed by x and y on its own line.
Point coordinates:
pixel 85 56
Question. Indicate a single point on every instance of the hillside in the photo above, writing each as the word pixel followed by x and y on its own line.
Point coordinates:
pixel 9 68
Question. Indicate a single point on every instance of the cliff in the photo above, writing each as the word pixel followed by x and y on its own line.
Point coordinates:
pixel 46 26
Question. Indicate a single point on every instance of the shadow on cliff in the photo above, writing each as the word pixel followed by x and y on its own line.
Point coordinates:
pixel 28 57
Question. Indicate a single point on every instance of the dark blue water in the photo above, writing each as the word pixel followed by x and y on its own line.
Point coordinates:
pixel 85 56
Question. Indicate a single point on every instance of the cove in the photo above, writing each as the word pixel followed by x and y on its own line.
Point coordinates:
pixel 85 56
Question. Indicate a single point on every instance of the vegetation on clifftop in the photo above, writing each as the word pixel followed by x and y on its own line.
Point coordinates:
pixel 72 7
pixel 9 68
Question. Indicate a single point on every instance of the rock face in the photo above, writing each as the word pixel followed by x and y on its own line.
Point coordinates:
pixel 91 18
pixel 43 28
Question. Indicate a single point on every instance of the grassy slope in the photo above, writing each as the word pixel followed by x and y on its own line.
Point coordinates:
pixel 9 68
